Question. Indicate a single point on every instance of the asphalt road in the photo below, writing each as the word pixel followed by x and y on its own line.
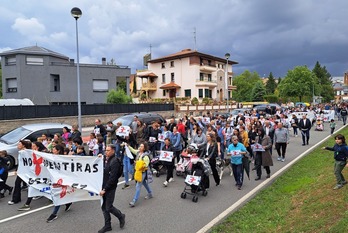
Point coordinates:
pixel 166 212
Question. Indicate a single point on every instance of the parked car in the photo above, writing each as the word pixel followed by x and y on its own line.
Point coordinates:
pixel 31 132
pixel 262 107
pixel 146 118
pixel 236 111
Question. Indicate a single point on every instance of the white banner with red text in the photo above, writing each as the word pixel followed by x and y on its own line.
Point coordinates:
pixel 61 178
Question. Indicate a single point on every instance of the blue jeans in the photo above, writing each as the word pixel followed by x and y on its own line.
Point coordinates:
pixel 117 149
pixel 138 187
pixel 127 168
pixel 238 173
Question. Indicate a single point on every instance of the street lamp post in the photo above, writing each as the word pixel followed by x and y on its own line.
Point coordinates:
pixel 227 56
pixel 76 13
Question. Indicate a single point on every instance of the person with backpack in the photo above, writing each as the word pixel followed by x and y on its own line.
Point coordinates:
pixel 112 172
pixel 344 113
pixel 142 172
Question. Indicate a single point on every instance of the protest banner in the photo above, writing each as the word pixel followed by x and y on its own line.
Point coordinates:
pixel 166 156
pixel 61 178
pixel 161 137
pixel 193 180
pixel 257 147
pixel 123 131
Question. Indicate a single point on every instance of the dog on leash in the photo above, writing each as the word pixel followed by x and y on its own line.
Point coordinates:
pixel 222 164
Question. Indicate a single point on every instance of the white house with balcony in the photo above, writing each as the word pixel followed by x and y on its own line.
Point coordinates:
pixel 187 73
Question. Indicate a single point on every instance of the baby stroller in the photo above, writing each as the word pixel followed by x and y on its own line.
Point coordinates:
pixel 184 165
pixel 158 165
pixel 319 126
pixel 198 179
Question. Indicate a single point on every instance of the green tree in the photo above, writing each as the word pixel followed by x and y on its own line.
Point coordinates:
pixel 245 83
pixel 118 96
pixel 122 85
pixel 135 85
pixel 325 81
pixel 258 91
pixel 299 82
pixel 271 84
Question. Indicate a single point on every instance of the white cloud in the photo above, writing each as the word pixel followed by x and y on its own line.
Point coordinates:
pixel 28 27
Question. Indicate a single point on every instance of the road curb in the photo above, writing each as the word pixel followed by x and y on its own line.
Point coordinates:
pixel 258 188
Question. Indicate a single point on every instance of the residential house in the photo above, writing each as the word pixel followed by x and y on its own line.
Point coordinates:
pixel 48 77
pixel 188 73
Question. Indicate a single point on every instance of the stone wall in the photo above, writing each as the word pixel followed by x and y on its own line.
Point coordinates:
pixel 87 121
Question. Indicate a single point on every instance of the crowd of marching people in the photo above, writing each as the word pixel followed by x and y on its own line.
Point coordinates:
pixel 249 138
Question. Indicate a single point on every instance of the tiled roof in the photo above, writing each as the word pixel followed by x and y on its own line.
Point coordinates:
pixel 189 53
pixel 171 85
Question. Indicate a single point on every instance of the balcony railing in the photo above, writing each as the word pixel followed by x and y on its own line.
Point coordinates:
pixel 149 86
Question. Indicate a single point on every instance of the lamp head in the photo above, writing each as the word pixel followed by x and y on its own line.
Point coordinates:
pixel 227 56
pixel 76 12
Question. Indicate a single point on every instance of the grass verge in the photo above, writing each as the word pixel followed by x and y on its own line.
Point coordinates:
pixel 301 200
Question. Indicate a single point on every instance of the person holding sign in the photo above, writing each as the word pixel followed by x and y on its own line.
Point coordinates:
pixel 112 171
pixel 263 158
pixel 141 172
pixel 237 150
pixel 169 164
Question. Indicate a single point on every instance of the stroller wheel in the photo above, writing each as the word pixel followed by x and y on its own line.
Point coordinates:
pixel 205 193
pixel 178 173
pixel 158 174
pixel 194 198
pixel 183 195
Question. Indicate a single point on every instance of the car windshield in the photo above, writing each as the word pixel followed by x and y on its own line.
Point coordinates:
pixel 126 121
pixel 15 135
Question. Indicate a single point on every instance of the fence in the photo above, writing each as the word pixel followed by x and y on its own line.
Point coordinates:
pixel 45 111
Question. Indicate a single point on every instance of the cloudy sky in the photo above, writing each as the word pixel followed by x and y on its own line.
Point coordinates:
pixel 262 35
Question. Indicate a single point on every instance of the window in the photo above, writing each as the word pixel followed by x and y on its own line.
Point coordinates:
pixel 230 81
pixel 38 61
pixel 209 77
pixel 220 78
pixel 11 84
pixel 100 85
pixel 172 64
pixel 163 65
pixel 10 61
pixel 201 77
pixel 164 92
pixel 207 93
pixel 55 82
pixel 209 62
pixel 188 93
pixel 172 78
pixel 163 78
pixel 200 93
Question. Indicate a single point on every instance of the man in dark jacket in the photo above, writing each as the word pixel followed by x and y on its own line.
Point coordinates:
pixel 112 166
pixel 305 126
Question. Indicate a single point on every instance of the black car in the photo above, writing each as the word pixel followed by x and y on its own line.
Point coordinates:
pixel 146 118
pixel 262 107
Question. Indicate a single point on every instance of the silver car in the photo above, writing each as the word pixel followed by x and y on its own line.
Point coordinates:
pixel 31 132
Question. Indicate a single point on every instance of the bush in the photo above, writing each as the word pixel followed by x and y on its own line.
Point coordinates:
pixel 206 100
pixel 271 98
pixel 194 101
pixel 118 96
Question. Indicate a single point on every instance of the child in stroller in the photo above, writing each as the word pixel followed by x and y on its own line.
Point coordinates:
pixel 198 179
pixel 319 125
pixel 184 165
pixel 158 165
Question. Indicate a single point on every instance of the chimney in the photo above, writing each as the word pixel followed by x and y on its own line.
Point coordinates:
pixel 103 61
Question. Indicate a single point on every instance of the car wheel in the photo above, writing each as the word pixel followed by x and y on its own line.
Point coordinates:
pixel 11 162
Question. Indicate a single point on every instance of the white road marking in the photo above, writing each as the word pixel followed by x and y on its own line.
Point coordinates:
pixel 246 197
